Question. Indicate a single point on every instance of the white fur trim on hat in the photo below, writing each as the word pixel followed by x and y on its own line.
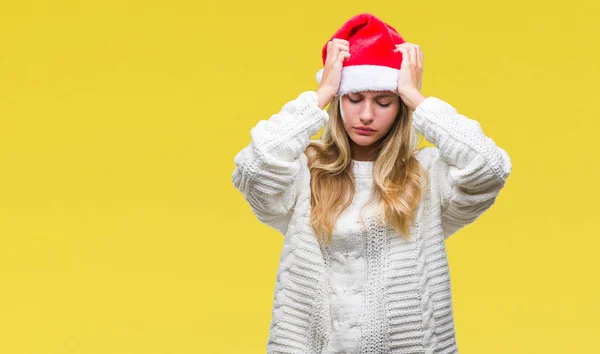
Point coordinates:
pixel 357 78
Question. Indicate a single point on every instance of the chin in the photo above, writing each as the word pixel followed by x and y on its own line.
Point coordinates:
pixel 364 140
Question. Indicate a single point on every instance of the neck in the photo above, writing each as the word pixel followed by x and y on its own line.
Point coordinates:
pixel 364 153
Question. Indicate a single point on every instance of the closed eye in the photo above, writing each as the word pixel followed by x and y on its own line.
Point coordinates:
pixel 380 104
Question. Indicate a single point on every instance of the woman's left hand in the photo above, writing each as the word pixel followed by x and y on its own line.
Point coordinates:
pixel 411 69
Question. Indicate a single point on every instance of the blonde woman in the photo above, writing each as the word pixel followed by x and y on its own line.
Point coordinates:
pixel 364 212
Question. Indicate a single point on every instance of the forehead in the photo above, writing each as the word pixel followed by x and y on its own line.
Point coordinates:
pixel 373 94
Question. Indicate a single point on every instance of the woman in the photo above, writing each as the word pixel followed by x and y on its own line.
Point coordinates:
pixel 364 213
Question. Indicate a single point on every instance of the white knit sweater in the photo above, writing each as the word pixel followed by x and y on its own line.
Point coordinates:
pixel 346 259
pixel 369 291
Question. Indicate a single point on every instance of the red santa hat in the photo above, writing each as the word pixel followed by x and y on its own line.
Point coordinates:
pixel 373 65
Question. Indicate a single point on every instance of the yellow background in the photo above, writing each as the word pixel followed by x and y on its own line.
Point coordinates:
pixel 121 231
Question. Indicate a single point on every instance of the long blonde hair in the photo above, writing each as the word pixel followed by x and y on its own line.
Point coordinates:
pixel 399 178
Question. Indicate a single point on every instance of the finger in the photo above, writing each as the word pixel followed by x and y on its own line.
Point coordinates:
pixel 413 55
pixel 335 47
pixel 409 50
pixel 342 55
pixel 409 45
pixel 418 55
pixel 401 46
pixel 343 47
pixel 337 56
pixel 340 59
pixel 403 60
pixel 340 44
pixel 339 40
pixel 405 56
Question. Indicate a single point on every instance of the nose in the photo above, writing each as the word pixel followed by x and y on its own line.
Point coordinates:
pixel 366 111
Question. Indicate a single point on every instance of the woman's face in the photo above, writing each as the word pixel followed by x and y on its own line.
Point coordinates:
pixel 375 110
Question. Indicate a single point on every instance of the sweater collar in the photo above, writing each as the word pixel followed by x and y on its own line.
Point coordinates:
pixel 362 168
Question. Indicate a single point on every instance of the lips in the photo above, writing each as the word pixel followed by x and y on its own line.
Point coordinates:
pixel 365 128
pixel 364 132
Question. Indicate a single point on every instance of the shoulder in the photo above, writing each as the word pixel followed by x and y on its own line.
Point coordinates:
pixel 428 156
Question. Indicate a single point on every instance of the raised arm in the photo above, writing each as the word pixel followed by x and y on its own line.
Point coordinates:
pixel 270 169
pixel 469 169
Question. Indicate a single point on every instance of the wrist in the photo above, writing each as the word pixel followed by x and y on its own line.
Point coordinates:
pixel 323 98
pixel 412 98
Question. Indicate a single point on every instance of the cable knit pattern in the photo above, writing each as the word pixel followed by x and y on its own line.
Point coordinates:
pixel 350 268
pixel 469 167
pixel 269 168
pixel 370 291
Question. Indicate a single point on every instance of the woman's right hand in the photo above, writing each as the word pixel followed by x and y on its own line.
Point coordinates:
pixel 337 50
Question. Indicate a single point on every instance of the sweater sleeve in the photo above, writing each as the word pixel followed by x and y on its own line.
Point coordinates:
pixel 270 169
pixel 469 169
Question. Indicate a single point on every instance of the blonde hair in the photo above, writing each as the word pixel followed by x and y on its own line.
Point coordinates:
pixel 399 178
